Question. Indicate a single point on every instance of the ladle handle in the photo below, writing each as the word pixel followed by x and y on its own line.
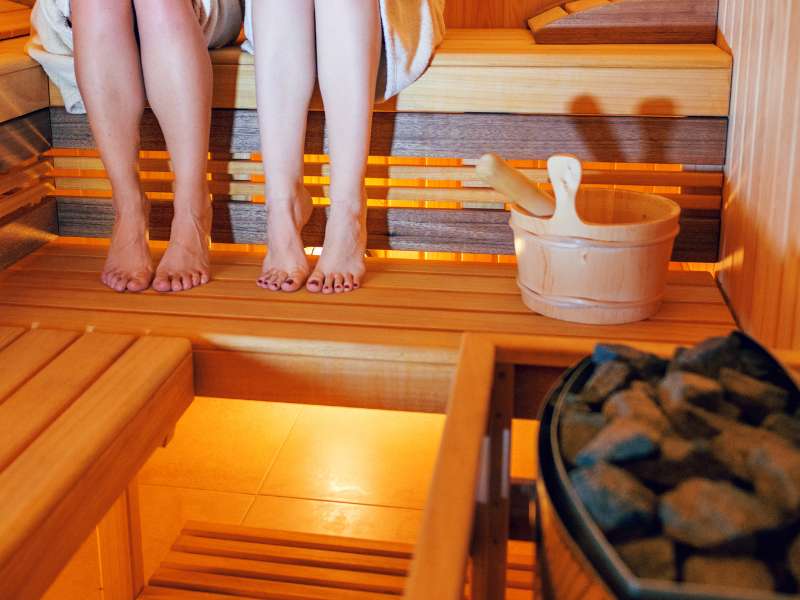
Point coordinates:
pixel 511 183
pixel 565 173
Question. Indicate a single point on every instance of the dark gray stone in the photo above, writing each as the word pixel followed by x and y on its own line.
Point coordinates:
pixel 728 572
pixel 783 425
pixel 709 356
pixel 709 514
pixel 576 429
pixel 774 467
pixel 614 498
pixel 680 459
pixel 620 441
pixel 755 398
pixel 692 388
pixel 637 404
pixel 606 379
pixel 645 364
pixel 650 558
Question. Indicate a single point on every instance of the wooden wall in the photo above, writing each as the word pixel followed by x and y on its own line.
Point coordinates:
pixel 761 239
pixel 494 13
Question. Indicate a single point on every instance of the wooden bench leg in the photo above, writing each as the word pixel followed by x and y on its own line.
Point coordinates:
pixel 119 538
pixel 490 544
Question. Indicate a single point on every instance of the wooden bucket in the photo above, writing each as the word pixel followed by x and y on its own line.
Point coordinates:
pixel 602 258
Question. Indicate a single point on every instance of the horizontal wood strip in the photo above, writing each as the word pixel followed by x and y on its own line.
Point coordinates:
pixel 15 23
pixel 299 539
pixel 28 412
pixel 638 139
pixel 28 354
pixel 23 178
pixel 25 90
pixel 307 575
pixel 465 292
pixel 254 588
pixel 152 592
pixel 27 197
pixel 24 138
pixel 442 230
pixel 24 232
pixel 9 334
pixel 292 555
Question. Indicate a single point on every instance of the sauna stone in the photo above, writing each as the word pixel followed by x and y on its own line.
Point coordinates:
pixel 775 470
pixel 708 357
pixel 709 514
pixel 650 558
pixel 614 498
pixel 606 379
pixel 755 398
pixel 646 365
pixel 636 404
pixel 745 573
pixel 680 459
pixel 793 558
pixel 692 388
pixel 576 430
pixel 620 441
pixel 785 426
pixel 688 419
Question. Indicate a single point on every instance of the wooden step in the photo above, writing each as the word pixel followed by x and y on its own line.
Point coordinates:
pixel 91 407
pixel 210 561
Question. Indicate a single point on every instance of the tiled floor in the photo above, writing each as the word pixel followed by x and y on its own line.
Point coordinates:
pixel 341 471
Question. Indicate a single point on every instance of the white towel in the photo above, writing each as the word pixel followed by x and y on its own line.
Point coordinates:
pixel 51 39
pixel 411 31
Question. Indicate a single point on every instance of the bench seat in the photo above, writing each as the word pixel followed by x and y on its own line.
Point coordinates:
pixel 23 83
pixel 79 416
pixel 504 71
pixel 210 561
pixel 391 344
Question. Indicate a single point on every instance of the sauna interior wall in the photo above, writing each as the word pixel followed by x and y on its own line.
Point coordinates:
pixel 760 268
pixel 494 13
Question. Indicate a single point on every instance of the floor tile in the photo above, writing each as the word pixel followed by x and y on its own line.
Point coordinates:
pixel 364 456
pixel 524 467
pixel 80 579
pixel 335 518
pixel 223 445
pixel 165 510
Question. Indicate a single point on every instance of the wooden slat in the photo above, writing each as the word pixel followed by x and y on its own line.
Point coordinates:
pixel 440 557
pixel 256 588
pixel 634 22
pixel 24 138
pixel 28 354
pixel 120 547
pixel 49 512
pixel 279 553
pixel 33 407
pixel 152 592
pixel 339 578
pixel 24 83
pixel 15 23
pixel 27 232
pixel 9 334
pixel 500 13
pixel 696 140
pixel 433 230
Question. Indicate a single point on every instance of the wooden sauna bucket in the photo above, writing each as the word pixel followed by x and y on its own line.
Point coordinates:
pixel 602 258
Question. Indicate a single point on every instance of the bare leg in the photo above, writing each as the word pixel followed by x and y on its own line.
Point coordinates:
pixel 285 75
pixel 348 52
pixel 110 80
pixel 177 76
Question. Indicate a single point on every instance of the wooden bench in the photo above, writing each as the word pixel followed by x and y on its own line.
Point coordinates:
pixel 79 415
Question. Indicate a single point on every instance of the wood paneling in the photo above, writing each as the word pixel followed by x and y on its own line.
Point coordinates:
pixel 497 13
pixel 760 268
pixel 694 140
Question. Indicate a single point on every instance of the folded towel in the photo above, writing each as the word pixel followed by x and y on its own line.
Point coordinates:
pixel 411 31
pixel 51 39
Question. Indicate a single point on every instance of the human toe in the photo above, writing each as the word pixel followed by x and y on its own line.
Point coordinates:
pixel 315 282
pixel 338 283
pixel 348 282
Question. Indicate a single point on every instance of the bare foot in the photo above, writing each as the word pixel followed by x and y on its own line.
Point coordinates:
pixel 186 262
pixel 341 266
pixel 286 266
pixel 128 265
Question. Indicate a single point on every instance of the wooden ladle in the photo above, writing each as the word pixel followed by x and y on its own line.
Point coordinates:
pixel 565 172
pixel 512 183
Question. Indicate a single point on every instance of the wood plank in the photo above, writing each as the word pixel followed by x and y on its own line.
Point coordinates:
pixel 9 334
pixel 635 22
pixel 152 592
pixel 24 138
pixel 15 23
pixel 434 230
pixel 440 557
pixel 337 578
pixel 27 232
pixel 28 412
pixel 255 588
pixel 120 547
pixel 297 539
pixel 278 553
pixel 28 354
pixel 24 199
pixel 695 140
pixel 27 92
pixel 48 513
